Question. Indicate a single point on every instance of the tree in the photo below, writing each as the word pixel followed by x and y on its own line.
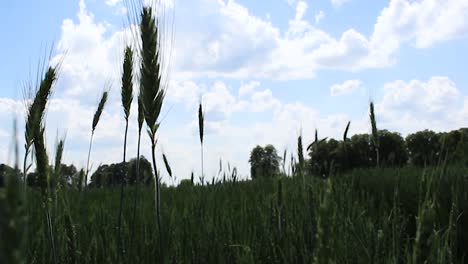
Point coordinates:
pixel 67 172
pixel 454 146
pixel 4 171
pixel 392 149
pixel 423 148
pixel 264 162
pixel 361 151
pixel 324 156
pixel 110 175
pixel 271 164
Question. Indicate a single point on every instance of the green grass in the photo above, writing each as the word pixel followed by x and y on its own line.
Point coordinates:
pixel 368 216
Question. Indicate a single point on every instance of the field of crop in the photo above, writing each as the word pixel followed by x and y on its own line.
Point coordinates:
pixel 369 216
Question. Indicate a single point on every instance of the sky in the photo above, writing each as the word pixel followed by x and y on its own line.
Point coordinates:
pixel 265 72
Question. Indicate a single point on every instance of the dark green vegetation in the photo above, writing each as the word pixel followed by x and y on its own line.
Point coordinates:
pixel 328 157
pixel 369 216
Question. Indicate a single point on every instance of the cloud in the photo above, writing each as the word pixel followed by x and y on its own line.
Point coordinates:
pixel 345 87
pixel 248 88
pixel 301 8
pixel 264 100
pixel 187 92
pixel 415 105
pixel 420 23
pixel 89 57
pixel 241 45
pixel 113 2
pixel 350 52
pixel 337 3
pixel 319 16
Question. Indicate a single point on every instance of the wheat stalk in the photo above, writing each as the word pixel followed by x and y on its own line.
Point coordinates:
pixel 35 113
pixel 345 139
pixel 141 119
pixel 375 132
pixel 345 134
pixel 166 164
pixel 97 116
pixel 58 161
pixel 34 136
pixel 201 130
pixel 153 83
pixel 127 97
pixel 300 154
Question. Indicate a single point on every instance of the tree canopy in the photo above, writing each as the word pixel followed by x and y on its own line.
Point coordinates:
pixel 113 174
pixel 264 162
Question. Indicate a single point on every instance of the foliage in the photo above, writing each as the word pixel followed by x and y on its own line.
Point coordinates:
pixel 112 175
pixel 264 162
pixel 67 175
pixel 368 216
pixel 6 170
pixel 424 148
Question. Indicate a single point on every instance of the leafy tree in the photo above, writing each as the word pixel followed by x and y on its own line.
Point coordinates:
pixel 256 161
pixel 423 148
pixel 271 162
pixel 454 146
pixel 264 162
pixel 325 157
pixel 67 173
pixel 361 151
pixel 4 171
pixel 392 149
pixel 113 174
pixel 185 183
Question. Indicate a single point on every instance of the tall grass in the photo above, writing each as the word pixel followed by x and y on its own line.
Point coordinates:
pixel 12 212
pixel 300 154
pixel 35 114
pixel 355 218
pixel 127 97
pixel 375 132
pixel 141 119
pixel 34 137
pixel 97 116
pixel 153 84
pixel 201 132
pixel 345 145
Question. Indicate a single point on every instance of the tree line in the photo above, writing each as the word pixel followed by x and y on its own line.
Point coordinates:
pixel 106 175
pixel 325 157
pixel 390 149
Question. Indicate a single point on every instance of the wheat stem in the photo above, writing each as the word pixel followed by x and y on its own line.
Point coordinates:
pixel 89 155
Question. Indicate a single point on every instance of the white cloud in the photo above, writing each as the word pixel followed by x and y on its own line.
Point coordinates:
pixel 248 88
pixel 187 92
pixel 435 104
pixel 242 45
pixel 113 2
pixel 301 8
pixel 319 16
pixel 345 87
pixel 421 23
pixel 337 3
pixel 291 2
pixel 89 58
pixel 350 52
pixel 263 100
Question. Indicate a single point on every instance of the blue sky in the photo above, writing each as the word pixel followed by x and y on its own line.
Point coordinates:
pixel 265 71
